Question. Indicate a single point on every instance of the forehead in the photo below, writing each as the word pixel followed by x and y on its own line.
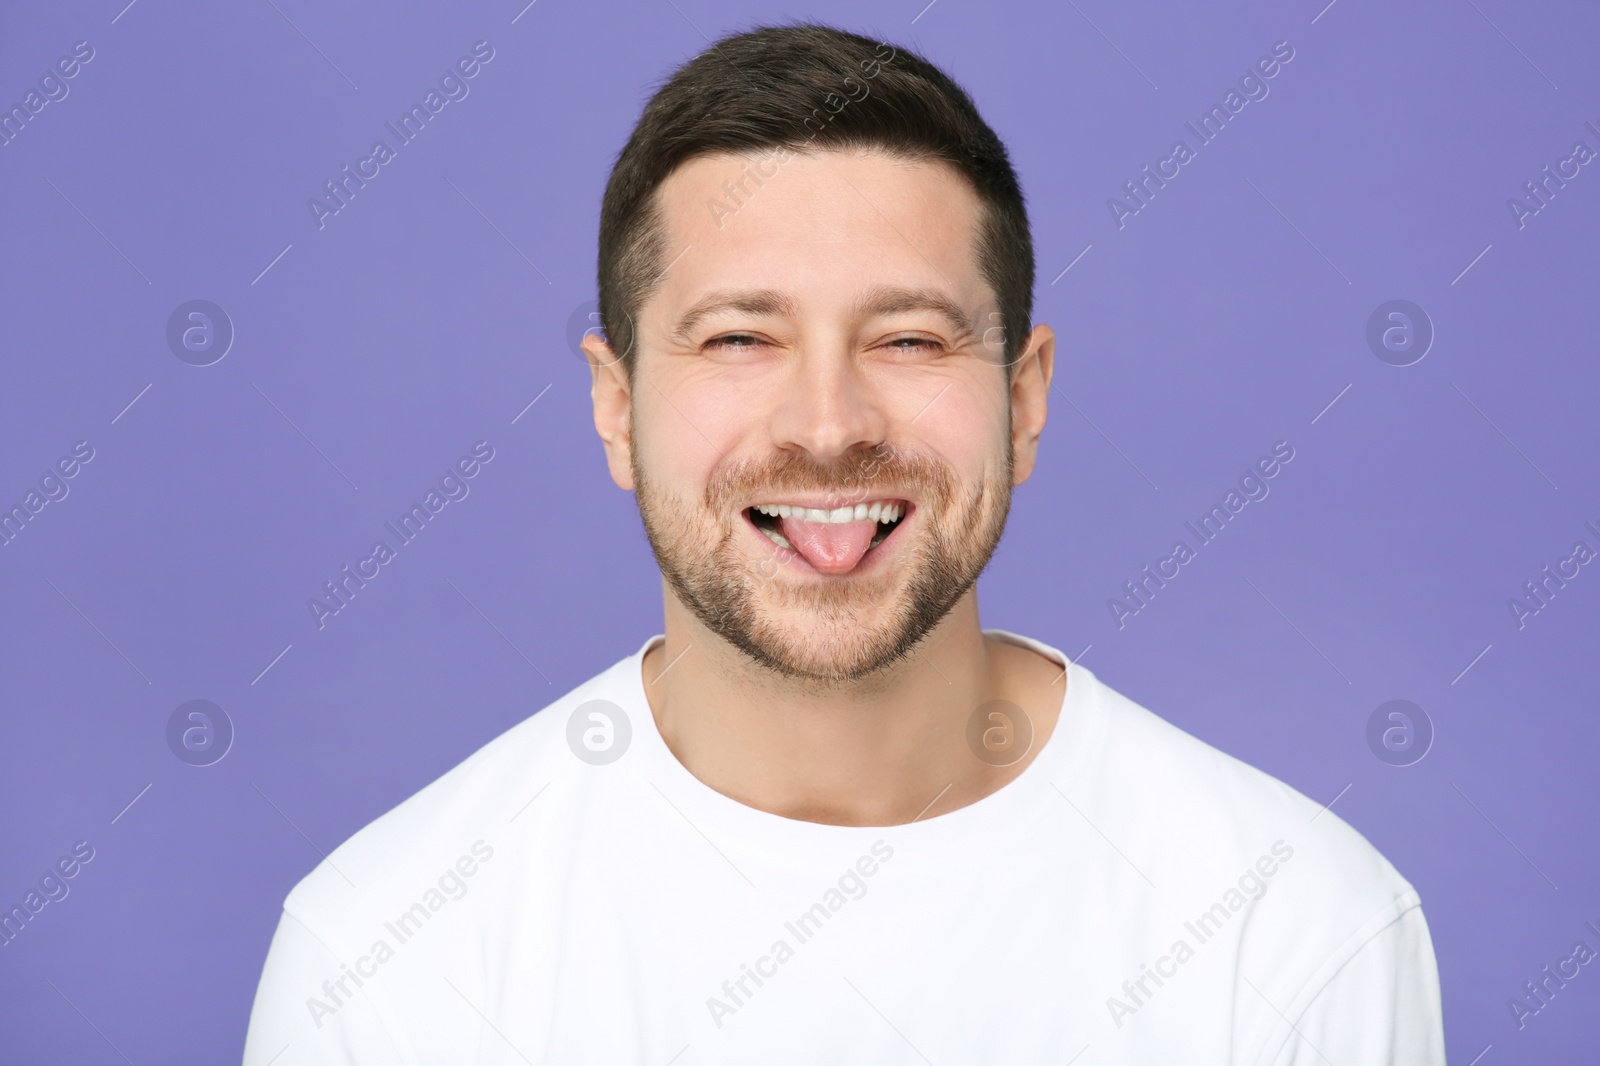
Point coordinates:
pixel 820 226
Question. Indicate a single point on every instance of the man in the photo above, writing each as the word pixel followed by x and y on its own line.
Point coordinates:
pixel 826 817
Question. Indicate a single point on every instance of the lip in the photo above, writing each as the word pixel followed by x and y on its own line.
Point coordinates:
pixel 788 557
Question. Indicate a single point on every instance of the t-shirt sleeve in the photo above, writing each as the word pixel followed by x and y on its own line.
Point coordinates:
pixel 1381 1008
pixel 302 1016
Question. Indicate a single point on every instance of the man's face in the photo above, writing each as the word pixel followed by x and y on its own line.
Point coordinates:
pixel 821 342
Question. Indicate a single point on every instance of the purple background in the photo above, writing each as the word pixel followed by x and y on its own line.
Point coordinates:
pixel 429 312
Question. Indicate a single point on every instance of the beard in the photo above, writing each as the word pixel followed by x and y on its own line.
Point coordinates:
pixel 840 629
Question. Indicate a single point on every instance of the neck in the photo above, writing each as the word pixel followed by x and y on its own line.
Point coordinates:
pixel 885 750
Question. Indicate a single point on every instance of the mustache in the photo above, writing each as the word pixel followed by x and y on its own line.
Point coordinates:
pixel 858 475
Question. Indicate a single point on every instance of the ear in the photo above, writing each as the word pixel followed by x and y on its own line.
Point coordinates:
pixel 1030 395
pixel 613 401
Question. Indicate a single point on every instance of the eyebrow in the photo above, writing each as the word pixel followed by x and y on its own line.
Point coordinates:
pixel 883 300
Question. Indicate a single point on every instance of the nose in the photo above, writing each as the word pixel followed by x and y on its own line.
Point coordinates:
pixel 828 407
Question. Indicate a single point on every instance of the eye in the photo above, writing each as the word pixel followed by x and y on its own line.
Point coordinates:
pixel 737 342
pixel 913 344
pixel 742 342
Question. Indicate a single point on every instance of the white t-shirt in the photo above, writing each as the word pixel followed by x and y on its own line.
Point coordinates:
pixel 1133 896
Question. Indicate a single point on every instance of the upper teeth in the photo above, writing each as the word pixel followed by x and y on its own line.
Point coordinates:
pixel 878 512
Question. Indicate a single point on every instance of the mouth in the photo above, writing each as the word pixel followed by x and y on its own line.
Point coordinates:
pixel 829 541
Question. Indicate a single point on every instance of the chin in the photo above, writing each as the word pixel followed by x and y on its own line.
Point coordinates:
pixel 836 643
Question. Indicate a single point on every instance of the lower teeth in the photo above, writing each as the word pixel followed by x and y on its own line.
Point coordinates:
pixel 777 537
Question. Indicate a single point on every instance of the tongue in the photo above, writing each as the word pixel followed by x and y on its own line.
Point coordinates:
pixel 830 547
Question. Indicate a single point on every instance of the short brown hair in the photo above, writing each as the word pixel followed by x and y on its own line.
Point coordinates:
pixel 789 87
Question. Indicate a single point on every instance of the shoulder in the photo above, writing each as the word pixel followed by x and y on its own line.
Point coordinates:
pixel 1233 855
pixel 1205 817
pixel 452 825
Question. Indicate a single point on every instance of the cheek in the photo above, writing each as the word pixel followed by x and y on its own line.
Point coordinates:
pixel 966 427
pixel 680 434
pixel 719 406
